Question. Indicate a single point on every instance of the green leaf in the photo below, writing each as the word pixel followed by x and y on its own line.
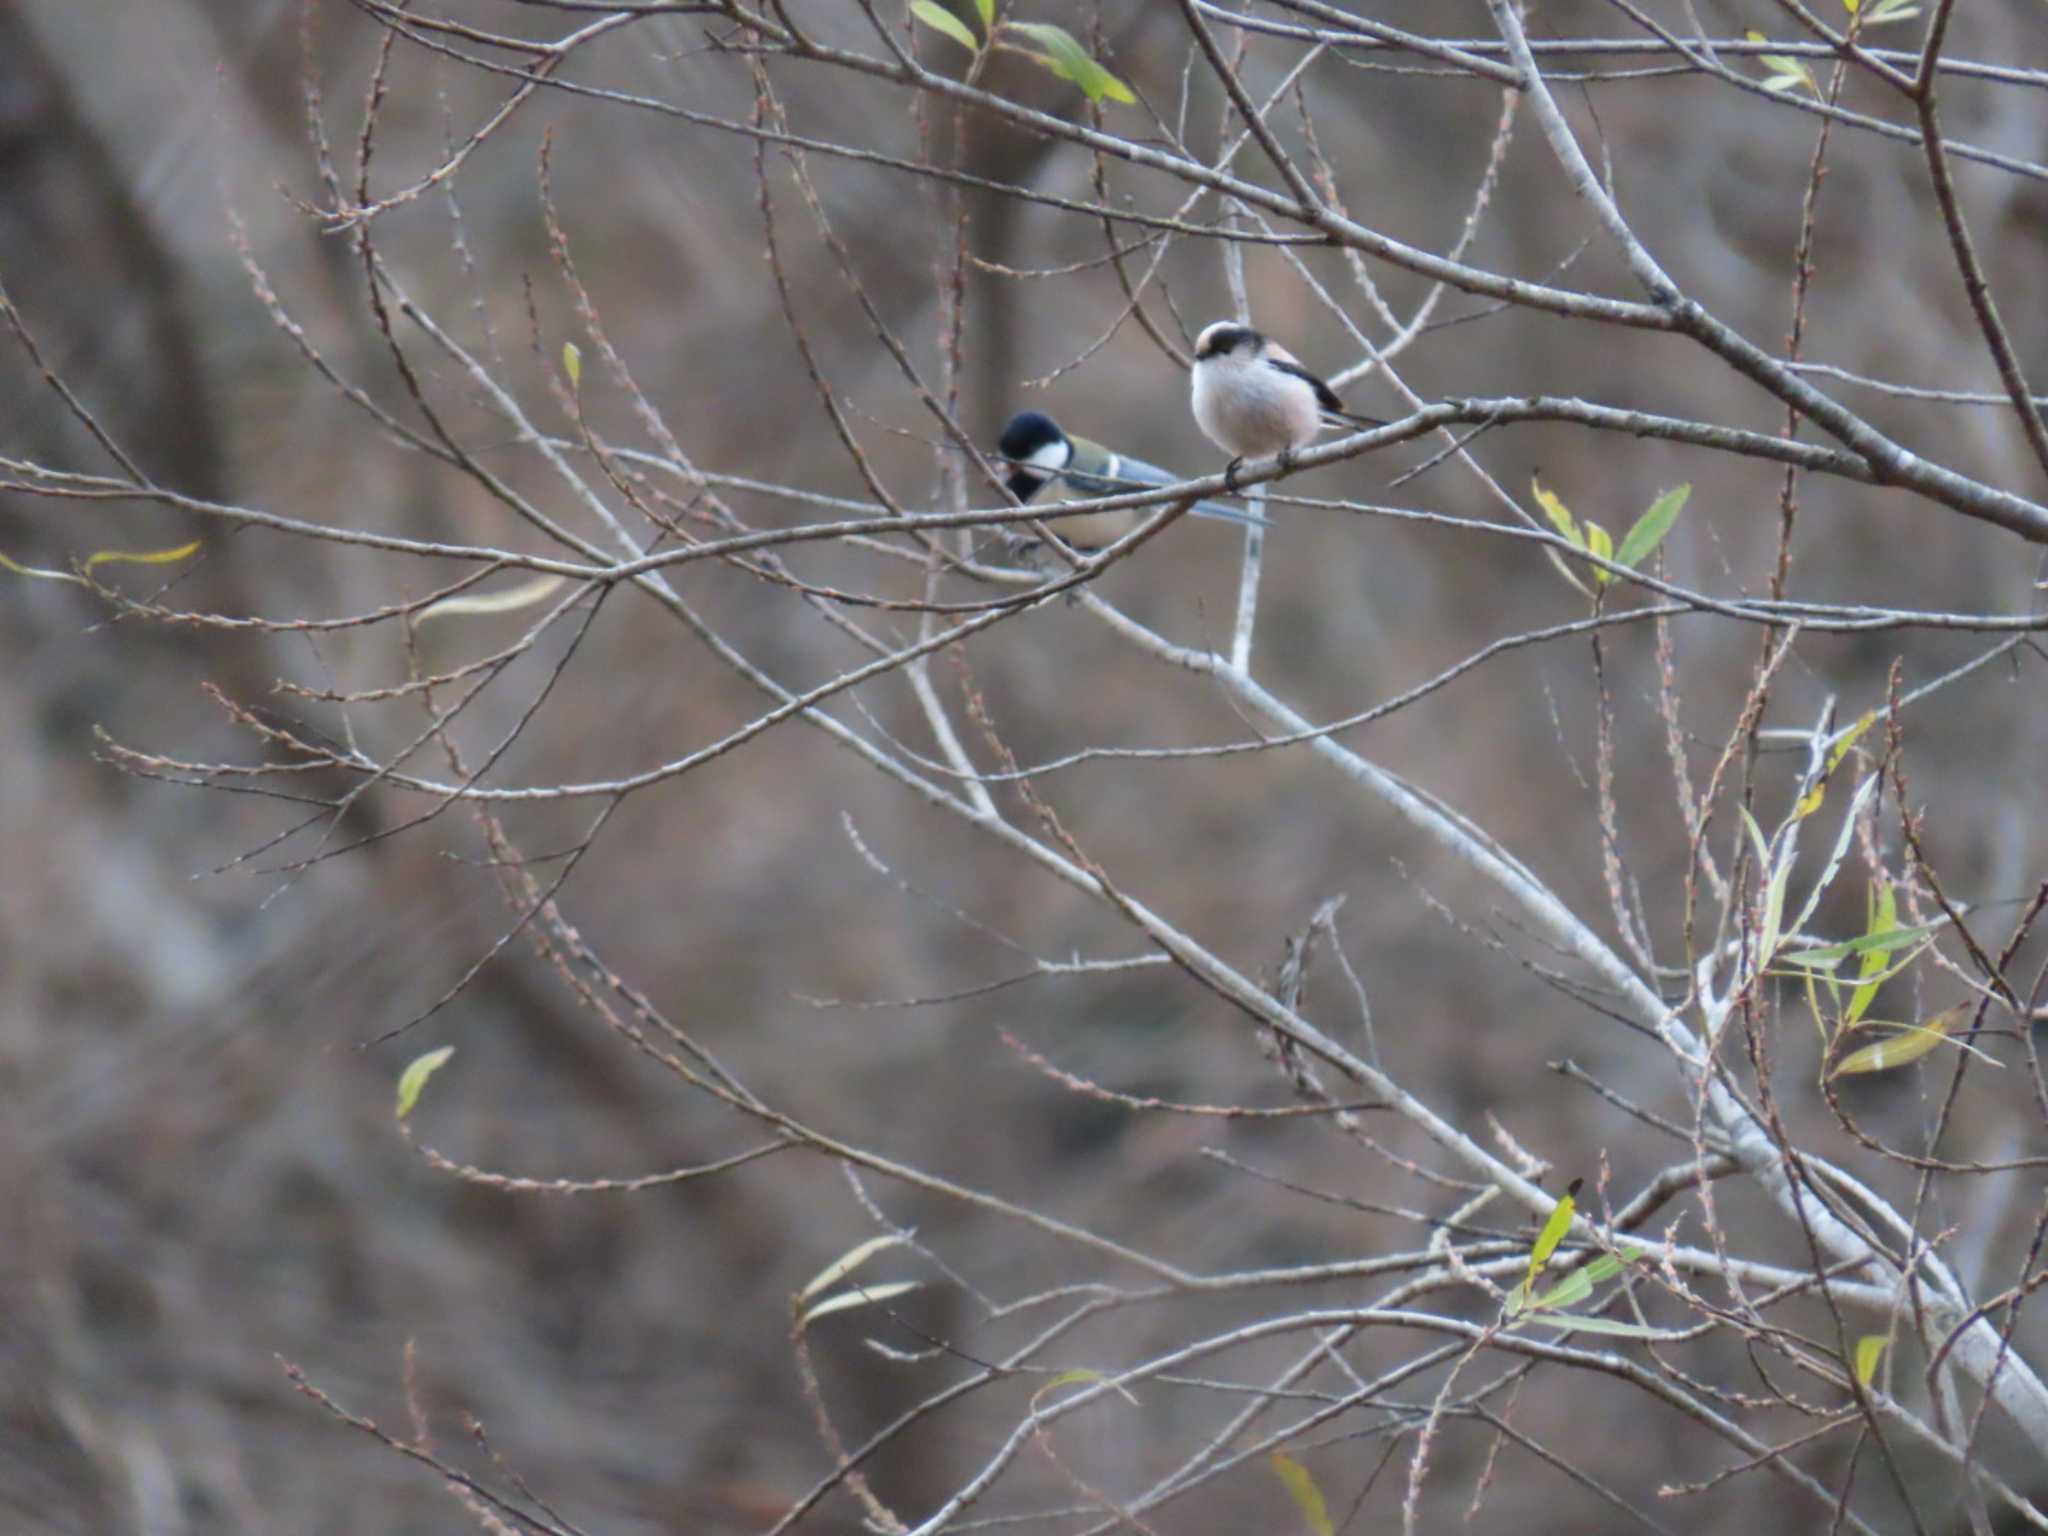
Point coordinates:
pixel 1869 1350
pixel 1650 528
pixel 1568 1292
pixel 1578 1285
pixel 1870 966
pixel 1915 1041
pixel 1301 1487
pixel 1890 10
pixel 1070 61
pixel 846 1301
pixel 1774 890
pixel 939 19
pixel 414 1077
pixel 848 1262
pixel 986 9
pixel 572 364
pixel 1885 943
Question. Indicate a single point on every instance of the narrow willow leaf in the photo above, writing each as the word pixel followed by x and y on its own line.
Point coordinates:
pixel 572 364
pixel 511 600
pixel 1650 528
pixel 1554 508
pixel 1825 955
pixel 846 1301
pixel 1774 891
pixel 1578 1285
pixel 1619 1329
pixel 414 1078
pixel 1884 918
pixel 1070 61
pixel 141 557
pixel 1915 1041
pixel 103 557
pixel 1774 914
pixel 1756 837
pixel 1568 1292
pixel 1555 1226
pixel 1076 1377
pixel 939 19
pixel 1600 543
pixel 1301 1487
pixel 848 1262
pixel 986 9
pixel 1869 1350
pixel 1842 748
pixel 1788 74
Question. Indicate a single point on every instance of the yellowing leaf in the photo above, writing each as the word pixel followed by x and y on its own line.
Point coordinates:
pixel 939 19
pixel 414 1077
pixel 139 557
pixel 1909 1045
pixel 1869 1350
pixel 1601 543
pixel 512 599
pixel 1301 1487
pixel 1841 748
pixel 1554 508
pixel 104 557
pixel 572 364
pixel 1554 1229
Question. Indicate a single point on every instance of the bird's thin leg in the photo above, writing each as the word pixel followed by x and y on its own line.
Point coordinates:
pixel 1230 474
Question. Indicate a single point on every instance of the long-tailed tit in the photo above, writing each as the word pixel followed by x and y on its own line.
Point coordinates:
pixel 1252 398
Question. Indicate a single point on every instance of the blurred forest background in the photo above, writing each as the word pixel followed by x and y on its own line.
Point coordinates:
pixel 199 1172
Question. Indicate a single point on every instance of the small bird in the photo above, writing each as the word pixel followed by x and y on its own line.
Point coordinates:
pixel 1040 454
pixel 1251 397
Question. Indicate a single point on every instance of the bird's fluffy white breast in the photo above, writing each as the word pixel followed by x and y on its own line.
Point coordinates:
pixel 1248 409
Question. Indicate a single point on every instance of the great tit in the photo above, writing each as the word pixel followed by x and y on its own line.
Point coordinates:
pixel 1251 397
pixel 1040 454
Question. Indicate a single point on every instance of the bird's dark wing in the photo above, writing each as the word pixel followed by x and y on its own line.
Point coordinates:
pixel 1326 397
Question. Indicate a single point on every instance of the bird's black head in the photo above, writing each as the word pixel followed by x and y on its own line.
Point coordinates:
pixel 1023 445
pixel 1222 339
